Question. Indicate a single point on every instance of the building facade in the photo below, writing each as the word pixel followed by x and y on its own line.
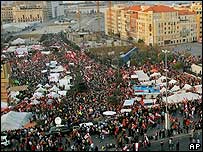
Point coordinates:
pixel 5 71
pixel 24 13
pixel 197 8
pixel 157 24
pixel 29 14
pixel 6 14
pixel 55 9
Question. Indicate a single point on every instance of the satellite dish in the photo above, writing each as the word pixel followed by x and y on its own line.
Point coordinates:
pixel 58 120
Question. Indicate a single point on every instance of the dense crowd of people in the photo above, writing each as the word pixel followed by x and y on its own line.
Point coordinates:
pixel 130 130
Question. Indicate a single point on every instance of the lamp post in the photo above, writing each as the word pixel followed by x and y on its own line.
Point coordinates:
pixel 167 121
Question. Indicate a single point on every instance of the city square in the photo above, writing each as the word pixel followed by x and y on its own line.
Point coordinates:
pixel 101 76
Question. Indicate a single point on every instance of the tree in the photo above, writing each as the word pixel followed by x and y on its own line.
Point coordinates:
pixel 178 65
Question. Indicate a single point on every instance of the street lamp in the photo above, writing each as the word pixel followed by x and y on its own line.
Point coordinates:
pixel 167 121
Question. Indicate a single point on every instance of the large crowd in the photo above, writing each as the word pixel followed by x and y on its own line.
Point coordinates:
pixel 138 127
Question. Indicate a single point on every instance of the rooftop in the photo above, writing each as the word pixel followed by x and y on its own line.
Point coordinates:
pixel 185 12
pixel 160 9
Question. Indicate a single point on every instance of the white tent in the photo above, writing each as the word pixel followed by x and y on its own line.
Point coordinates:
pixel 47 85
pixel 179 97
pixel 38 95
pixel 43 71
pixel 39 85
pixel 142 76
pixel 172 81
pixel 134 76
pixel 21 51
pixel 162 78
pixel 187 87
pixel 126 110
pixel 175 88
pixel 54 88
pixel 14 120
pixel 18 41
pixel 34 102
pixel 40 89
pixel 128 102
pixel 109 113
pixel 198 89
pixel 163 90
pixel 155 74
pixel 54 77
pixel 58 69
pixel 53 95
pixel 63 93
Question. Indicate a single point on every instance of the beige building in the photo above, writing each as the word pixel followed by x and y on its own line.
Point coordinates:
pixel 113 23
pixel 5 71
pixel 157 24
pixel 197 8
pixel 6 14
pixel 23 13
pixel 29 14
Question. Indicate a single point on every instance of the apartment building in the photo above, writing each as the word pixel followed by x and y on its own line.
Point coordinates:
pixel 157 24
pixel 23 13
pixel 6 14
pixel 113 23
pixel 197 8
pixel 5 71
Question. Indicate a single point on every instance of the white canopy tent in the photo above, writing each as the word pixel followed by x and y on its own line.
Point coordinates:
pixel 172 81
pixel 162 78
pixel 54 88
pixel 40 89
pixel 155 74
pixel 128 102
pixel 142 76
pixel 163 90
pixel 18 41
pixel 187 87
pixel 14 120
pixel 109 113
pixel 179 97
pixel 175 88
pixel 58 69
pixel 198 89
pixel 134 76
pixel 126 110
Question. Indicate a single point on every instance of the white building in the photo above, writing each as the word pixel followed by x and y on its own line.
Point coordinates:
pixel 196 68
pixel 55 9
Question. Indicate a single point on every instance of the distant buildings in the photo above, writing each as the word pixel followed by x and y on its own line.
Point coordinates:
pixel 23 13
pixel 55 9
pixel 157 24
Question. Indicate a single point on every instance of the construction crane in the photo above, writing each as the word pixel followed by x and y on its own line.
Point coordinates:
pixel 98 18
pixel 78 18
pixel 110 17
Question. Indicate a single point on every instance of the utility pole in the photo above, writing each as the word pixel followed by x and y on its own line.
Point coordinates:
pixel 98 18
pixel 109 16
pixel 167 120
pixel 78 17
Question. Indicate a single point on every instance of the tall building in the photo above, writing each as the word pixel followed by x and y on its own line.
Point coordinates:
pixel 6 14
pixel 29 13
pixel 55 9
pixel 156 24
pixel 5 71
pixel 197 8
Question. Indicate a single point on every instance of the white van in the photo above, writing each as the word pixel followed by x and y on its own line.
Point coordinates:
pixel 4 141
